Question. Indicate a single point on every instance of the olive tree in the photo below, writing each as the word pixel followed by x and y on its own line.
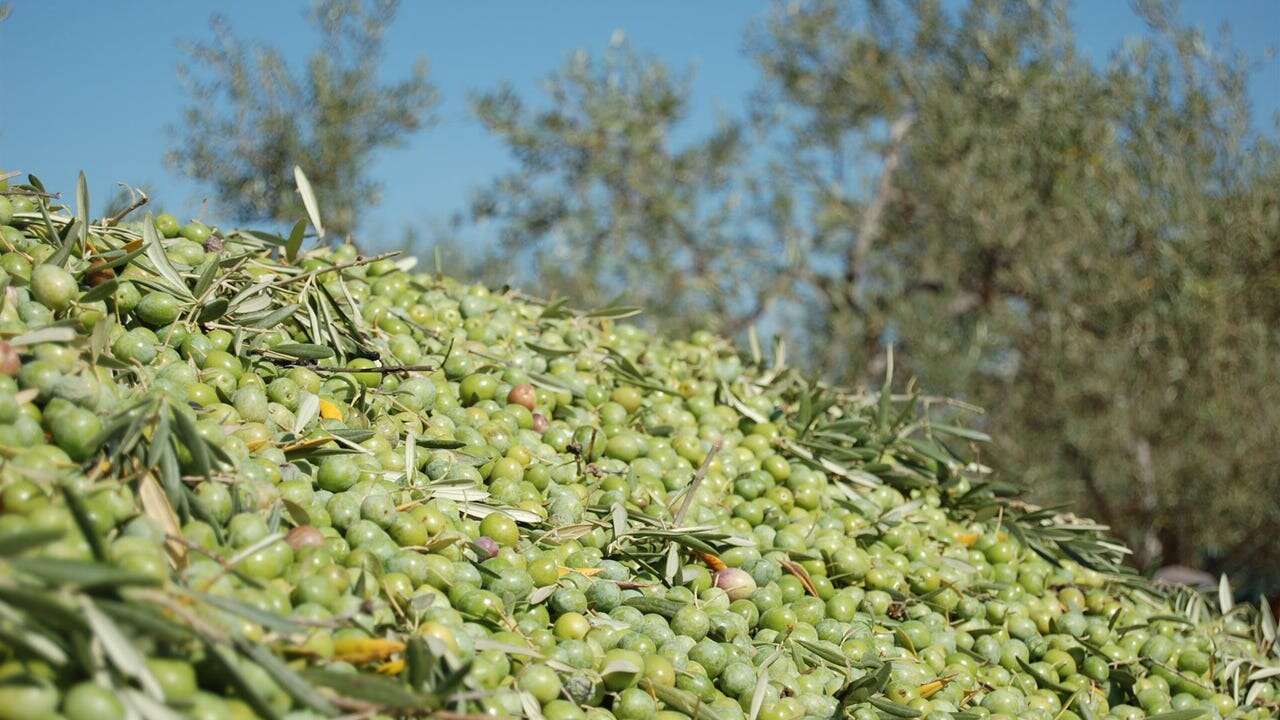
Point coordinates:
pixel 604 198
pixel 1089 250
pixel 252 117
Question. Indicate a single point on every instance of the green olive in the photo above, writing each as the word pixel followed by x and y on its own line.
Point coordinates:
pixel 53 287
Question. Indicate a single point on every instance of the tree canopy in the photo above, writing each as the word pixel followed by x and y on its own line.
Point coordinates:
pixel 252 117
pixel 1090 251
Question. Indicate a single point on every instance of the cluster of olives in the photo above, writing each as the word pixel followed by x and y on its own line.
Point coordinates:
pixel 469 468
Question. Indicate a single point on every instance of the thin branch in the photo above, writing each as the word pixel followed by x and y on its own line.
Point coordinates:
pixel 873 219
pixel 139 200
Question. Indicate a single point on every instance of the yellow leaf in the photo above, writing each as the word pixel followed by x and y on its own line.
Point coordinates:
pixel 967 539
pixel 927 690
pixel 329 410
pixel 392 667
pixel 930 688
pixel 364 650
pixel 561 571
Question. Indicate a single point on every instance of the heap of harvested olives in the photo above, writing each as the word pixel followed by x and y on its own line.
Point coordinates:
pixel 240 479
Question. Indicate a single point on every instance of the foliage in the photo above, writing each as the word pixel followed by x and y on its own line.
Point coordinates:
pixel 252 117
pixel 605 199
pixel 1090 252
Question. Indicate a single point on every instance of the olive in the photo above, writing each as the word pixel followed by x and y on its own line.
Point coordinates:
pixel 53 286
pixel 550 528
pixel 90 701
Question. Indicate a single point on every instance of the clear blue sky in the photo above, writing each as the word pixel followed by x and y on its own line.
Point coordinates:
pixel 91 85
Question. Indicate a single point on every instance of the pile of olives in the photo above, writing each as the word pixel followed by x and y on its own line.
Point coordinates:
pixel 420 496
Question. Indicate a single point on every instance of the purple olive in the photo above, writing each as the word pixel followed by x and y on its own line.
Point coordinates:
pixel 736 583
pixel 485 547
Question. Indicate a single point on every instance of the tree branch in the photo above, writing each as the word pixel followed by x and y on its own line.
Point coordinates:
pixel 873 219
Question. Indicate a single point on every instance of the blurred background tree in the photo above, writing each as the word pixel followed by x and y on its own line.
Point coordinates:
pixel 252 117
pixel 1091 253
pixel 603 198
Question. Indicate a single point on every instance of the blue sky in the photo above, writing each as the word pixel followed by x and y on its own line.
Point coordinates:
pixel 91 85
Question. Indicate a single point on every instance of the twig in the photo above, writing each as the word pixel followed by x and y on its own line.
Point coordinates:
pixel 138 202
pixel 377 369
pixel 333 268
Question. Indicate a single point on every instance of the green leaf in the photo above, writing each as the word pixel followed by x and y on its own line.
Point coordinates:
pixel 1188 714
pixel 59 258
pixel 270 620
pixel 39 605
pixel 100 292
pixel 192 440
pixel 123 655
pixel 615 312
pixel 275 317
pixel 434 444
pixel 33 643
pixel 620 665
pixel 19 541
pixel 308 410
pixel 147 619
pixel 155 253
pixel 227 659
pixel 418 661
pixel 893 708
pixel 355 435
pixel 294 242
pixel 961 432
pixel 684 701
pixel 549 351
pixel 762 686
pixel 288 680
pixel 79 573
pixel 80 512
pixel 117 258
pixel 146 707
pixel 297 513
pixel 308 199
pixel 304 351
pixel 263 236
pixel 212 311
pixel 381 691
pixel 555 310
pixel 51 334
pixel 208 273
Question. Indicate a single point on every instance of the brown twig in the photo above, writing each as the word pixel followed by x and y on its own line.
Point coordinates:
pixel 138 202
